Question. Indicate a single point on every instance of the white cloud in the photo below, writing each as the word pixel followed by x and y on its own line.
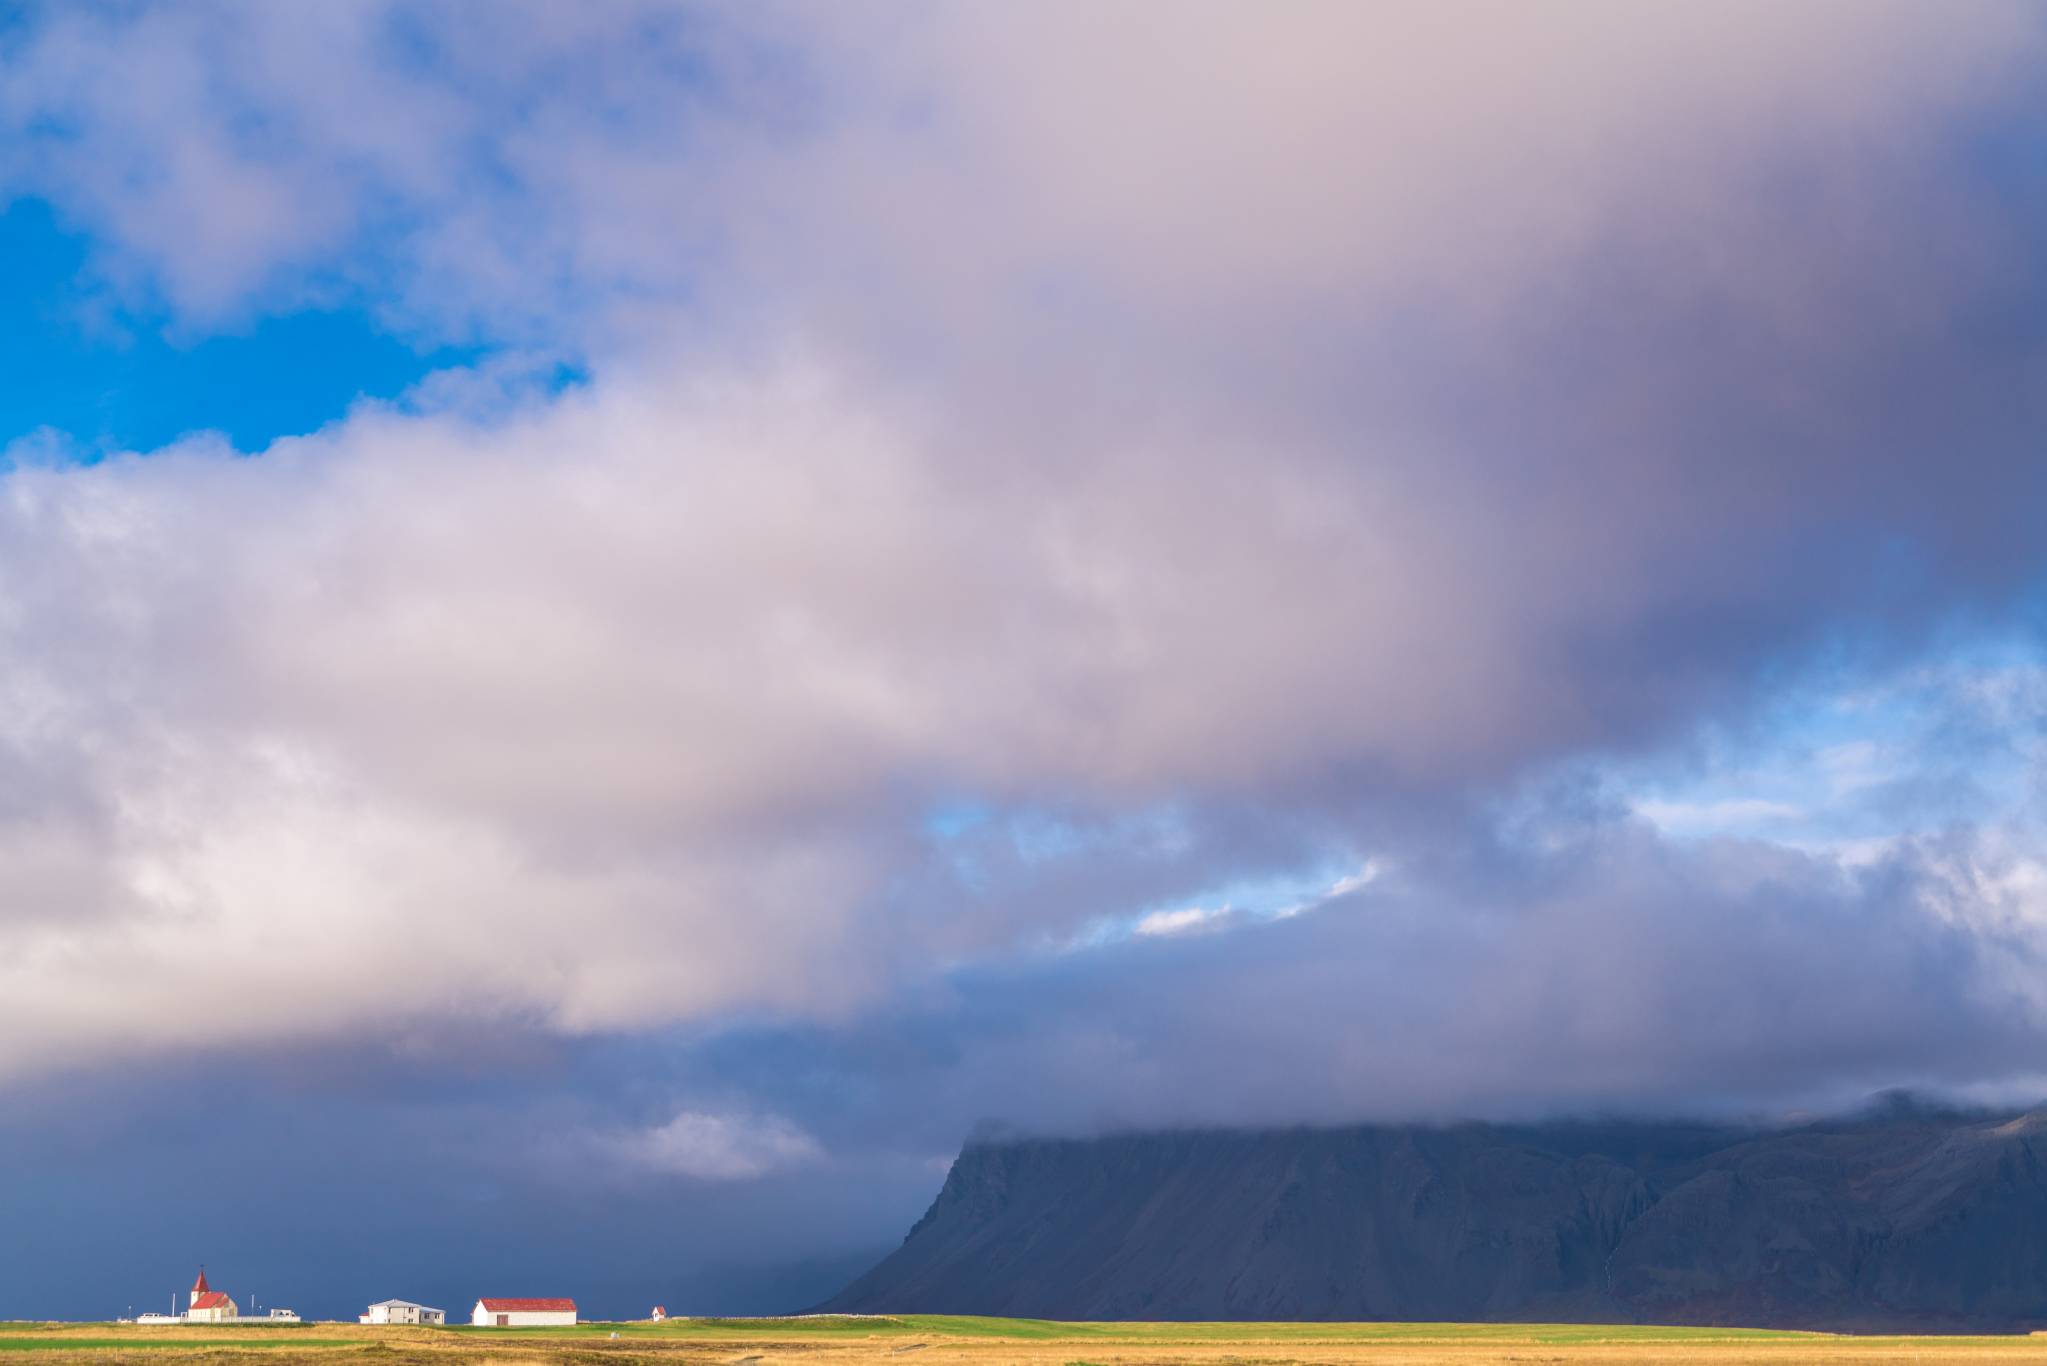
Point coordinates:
pixel 720 1147
pixel 1180 922
pixel 1352 882
pixel 1707 818
pixel 541 168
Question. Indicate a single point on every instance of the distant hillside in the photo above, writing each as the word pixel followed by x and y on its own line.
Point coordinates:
pixel 1932 1221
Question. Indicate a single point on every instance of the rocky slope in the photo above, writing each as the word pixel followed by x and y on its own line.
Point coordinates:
pixel 1926 1220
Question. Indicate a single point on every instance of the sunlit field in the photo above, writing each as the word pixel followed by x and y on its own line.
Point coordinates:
pixel 947 1341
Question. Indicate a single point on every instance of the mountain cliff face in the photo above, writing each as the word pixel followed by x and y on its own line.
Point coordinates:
pixel 1918 1220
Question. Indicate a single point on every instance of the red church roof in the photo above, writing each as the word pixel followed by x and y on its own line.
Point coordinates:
pixel 212 1299
pixel 200 1287
pixel 528 1306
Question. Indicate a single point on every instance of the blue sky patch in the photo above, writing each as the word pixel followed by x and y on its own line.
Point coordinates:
pixel 108 377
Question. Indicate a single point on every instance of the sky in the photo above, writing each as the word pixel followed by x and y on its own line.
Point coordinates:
pixel 621 624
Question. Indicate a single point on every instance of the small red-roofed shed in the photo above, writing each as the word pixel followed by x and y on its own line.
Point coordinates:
pixel 492 1313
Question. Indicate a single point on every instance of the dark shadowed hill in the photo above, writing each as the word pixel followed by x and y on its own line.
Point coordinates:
pixel 1936 1221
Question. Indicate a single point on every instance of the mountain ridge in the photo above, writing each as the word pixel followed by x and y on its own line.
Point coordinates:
pixel 1915 1219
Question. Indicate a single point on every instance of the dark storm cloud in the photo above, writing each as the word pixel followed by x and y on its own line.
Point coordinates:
pixel 325 1182
pixel 1617 972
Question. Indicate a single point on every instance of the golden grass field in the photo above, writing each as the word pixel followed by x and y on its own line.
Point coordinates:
pixel 929 1340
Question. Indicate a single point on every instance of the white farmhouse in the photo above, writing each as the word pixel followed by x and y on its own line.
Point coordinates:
pixel 403 1311
pixel 209 1304
pixel 524 1314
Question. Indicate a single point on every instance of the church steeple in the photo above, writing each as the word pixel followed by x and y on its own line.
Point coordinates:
pixel 200 1287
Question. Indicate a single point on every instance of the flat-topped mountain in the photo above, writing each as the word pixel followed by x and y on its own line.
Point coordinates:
pixel 1915 1219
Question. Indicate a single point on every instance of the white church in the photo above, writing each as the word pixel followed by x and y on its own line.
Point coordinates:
pixel 210 1305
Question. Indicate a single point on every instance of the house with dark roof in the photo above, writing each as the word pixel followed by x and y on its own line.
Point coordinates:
pixel 402 1311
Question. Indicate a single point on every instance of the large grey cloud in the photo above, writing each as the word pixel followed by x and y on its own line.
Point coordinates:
pixel 1223 441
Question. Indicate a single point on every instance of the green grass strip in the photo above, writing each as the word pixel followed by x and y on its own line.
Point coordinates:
pixel 1157 1333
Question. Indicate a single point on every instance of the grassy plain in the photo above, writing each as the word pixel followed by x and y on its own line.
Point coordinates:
pixel 930 1340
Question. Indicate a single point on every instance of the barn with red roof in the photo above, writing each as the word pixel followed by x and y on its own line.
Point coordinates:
pixel 524 1313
